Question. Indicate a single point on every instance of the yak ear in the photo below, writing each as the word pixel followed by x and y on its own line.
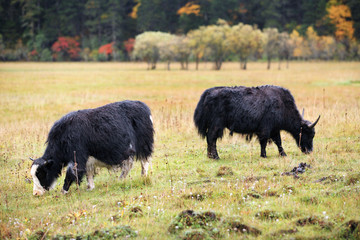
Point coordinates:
pixel 49 163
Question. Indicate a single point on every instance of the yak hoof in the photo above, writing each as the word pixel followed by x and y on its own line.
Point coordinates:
pixel 263 155
pixel 283 154
pixel 215 157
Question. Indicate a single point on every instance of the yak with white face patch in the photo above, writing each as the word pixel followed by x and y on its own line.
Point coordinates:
pixel 110 136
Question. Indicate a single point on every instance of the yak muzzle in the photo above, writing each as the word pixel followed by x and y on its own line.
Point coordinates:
pixel 38 192
pixel 306 150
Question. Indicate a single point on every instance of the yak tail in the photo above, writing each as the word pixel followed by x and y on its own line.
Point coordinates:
pixel 202 115
pixel 141 121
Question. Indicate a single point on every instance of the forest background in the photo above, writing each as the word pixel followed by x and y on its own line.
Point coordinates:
pixel 96 30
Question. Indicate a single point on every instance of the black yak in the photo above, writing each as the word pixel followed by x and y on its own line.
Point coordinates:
pixel 262 111
pixel 109 136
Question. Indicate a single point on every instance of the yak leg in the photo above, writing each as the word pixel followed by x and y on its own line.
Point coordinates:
pixel 145 166
pixel 73 174
pixel 211 149
pixel 263 142
pixel 90 172
pixel 277 140
pixel 126 167
pixel 90 181
pixel 214 132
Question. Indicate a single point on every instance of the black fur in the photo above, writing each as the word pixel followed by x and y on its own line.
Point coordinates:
pixel 104 133
pixel 262 111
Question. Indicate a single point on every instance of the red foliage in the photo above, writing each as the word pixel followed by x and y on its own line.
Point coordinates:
pixel 107 49
pixel 33 53
pixel 68 46
pixel 129 45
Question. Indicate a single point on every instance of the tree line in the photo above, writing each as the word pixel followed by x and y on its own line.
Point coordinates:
pixel 88 30
pixel 221 42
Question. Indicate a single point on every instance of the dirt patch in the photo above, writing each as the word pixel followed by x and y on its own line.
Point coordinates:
pixel 313 220
pixel 198 196
pixel 254 178
pixel 353 179
pixel 329 179
pixel 243 228
pixel 253 194
pixel 195 234
pixel 224 171
pixel 109 233
pixel 190 218
pixel 284 232
pixel 136 212
pixel 290 214
pixel 351 230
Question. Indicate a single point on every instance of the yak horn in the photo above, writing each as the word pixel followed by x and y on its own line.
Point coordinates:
pixel 314 123
pixel 31 159
pixel 303 112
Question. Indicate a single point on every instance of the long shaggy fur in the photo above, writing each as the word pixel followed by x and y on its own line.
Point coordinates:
pixel 112 134
pixel 262 111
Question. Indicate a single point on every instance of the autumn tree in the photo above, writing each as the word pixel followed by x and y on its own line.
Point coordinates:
pixel 301 49
pixel 66 48
pixel 182 51
pixel 312 42
pixel 286 48
pixel 147 47
pixel 244 40
pixel 327 47
pixel 189 8
pixel 196 42
pixel 167 48
pixel 340 16
pixel 107 50
pixel 271 44
pixel 217 48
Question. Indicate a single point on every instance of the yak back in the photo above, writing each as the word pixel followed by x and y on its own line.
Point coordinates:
pixel 109 133
pixel 246 110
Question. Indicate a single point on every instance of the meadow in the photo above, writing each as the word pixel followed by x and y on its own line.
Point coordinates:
pixel 186 195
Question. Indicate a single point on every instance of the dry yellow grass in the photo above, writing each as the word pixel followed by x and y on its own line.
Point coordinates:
pixel 34 95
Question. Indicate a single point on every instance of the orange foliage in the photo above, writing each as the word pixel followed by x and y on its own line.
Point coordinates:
pixel 133 14
pixel 106 49
pixel 340 16
pixel 189 8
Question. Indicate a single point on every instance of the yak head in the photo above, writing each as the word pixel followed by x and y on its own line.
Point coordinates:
pixel 44 179
pixel 306 136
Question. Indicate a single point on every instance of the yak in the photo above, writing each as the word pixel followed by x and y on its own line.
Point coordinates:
pixel 109 136
pixel 262 111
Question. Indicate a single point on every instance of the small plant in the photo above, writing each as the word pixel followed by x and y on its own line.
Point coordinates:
pixel 224 171
pixel 267 215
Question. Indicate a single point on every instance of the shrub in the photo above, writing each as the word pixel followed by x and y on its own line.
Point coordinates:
pixel 66 48
pixel 45 55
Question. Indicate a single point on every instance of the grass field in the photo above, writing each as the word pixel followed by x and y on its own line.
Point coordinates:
pixel 239 196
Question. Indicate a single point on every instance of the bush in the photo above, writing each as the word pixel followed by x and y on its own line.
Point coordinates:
pixel 45 55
